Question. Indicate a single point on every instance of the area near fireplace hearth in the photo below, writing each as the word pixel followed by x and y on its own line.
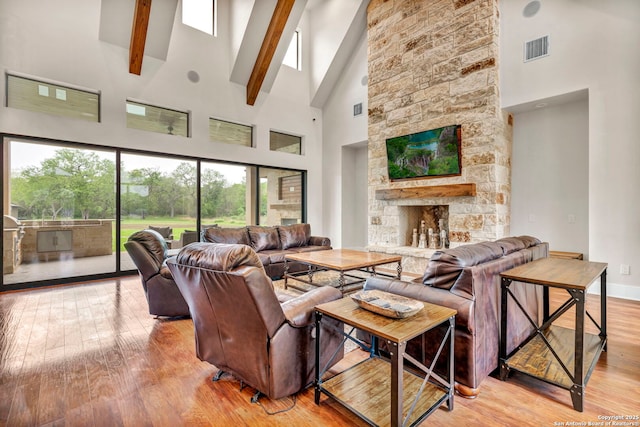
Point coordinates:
pixel 439 69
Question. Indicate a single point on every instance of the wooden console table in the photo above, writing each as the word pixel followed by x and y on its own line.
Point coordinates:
pixel 364 386
pixel 557 355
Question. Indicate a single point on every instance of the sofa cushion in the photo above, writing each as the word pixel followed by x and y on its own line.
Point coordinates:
pixel 510 244
pixel 165 232
pixel 226 235
pixel 529 241
pixel 275 255
pixel 294 235
pixel 263 238
pixel 445 266
pixel 310 248
pixel 265 259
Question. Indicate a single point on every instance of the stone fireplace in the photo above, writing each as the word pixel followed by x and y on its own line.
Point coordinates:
pixel 410 218
pixel 434 64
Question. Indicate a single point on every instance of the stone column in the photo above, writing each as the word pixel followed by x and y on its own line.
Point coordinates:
pixel 433 64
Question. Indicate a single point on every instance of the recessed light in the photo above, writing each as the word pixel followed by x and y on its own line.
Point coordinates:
pixel 541 104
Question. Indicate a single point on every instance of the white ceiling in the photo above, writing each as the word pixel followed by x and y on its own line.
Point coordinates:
pixel 342 21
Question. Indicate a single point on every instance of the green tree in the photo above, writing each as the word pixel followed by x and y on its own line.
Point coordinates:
pixel 77 183
pixel 148 184
pixel 213 185
pixel 184 178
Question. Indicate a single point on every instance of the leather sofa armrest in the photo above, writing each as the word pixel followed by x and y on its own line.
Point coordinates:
pixel 319 241
pixel 299 311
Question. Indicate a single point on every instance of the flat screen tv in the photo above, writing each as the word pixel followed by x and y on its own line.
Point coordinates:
pixel 430 153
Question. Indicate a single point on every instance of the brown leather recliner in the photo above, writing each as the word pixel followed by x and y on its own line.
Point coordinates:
pixel 148 250
pixel 240 325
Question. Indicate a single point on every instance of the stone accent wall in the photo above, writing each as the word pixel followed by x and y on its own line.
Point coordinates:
pixel 433 63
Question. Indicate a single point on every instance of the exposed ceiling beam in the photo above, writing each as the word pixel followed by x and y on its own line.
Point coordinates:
pixel 139 35
pixel 268 48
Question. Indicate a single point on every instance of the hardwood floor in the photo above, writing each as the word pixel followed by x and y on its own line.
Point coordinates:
pixel 90 354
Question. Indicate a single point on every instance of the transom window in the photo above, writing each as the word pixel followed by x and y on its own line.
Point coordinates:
pixel 230 133
pixel 43 97
pixel 283 142
pixel 157 119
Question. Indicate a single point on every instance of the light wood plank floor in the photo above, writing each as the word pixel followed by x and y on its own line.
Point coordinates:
pixel 90 354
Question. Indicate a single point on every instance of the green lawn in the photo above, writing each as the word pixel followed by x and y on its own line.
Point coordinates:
pixel 179 224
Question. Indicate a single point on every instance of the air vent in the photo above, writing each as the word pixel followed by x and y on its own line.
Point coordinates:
pixel 537 48
pixel 357 109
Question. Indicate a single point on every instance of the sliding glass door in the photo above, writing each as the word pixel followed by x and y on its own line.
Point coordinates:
pixel 59 217
pixel 157 193
pixel 69 208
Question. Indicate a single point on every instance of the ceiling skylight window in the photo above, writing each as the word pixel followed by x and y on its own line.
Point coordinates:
pixel 294 53
pixel 200 14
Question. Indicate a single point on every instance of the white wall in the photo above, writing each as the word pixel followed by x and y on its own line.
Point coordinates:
pixel 60 43
pixel 341 129
pixel 354 196
pixel 594 46
pixel 550 176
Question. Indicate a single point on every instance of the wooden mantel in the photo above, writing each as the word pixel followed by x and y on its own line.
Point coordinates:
pixel 425 192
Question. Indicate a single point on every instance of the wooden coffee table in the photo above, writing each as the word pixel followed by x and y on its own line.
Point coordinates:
pixel 342 261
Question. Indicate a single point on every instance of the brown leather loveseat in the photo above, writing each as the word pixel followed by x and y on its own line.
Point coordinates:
pixel 467 278
pixel 271 243
pixel 240 325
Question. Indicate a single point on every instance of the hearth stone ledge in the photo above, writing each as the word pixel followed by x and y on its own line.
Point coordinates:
pixel 414 260
pixel 402 250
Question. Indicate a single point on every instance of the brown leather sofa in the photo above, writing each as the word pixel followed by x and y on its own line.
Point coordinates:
pixel 467 278
pixel 271 243
pixel 240 325
pixel 148 250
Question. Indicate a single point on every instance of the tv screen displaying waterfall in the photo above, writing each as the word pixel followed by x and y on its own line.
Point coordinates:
pixel 430 153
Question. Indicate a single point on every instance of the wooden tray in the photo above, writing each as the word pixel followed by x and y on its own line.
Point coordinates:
pixel 387 304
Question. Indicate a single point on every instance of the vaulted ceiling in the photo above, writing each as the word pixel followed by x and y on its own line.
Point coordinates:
pixel 263 30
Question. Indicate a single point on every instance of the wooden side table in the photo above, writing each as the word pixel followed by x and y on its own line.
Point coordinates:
pixel 364 386
pixel 566 255
pixel 557 355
